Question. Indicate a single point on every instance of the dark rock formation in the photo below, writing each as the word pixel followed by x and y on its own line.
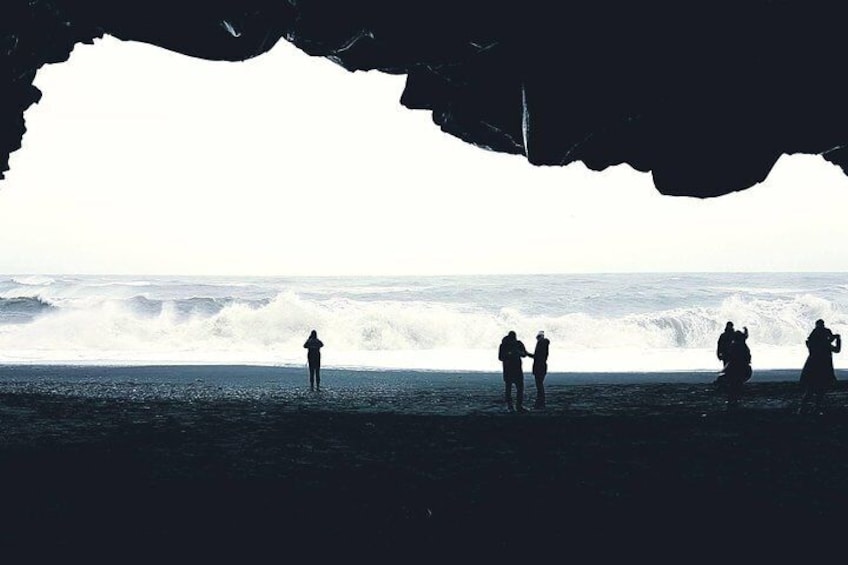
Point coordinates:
pixel 705 95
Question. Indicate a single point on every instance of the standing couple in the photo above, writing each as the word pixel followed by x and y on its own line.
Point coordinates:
pixel 510 354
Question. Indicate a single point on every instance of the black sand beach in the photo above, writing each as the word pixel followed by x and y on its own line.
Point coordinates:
pixel 612 469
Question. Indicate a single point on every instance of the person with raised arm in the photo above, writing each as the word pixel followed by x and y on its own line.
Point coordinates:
pixel 724 342
pixel 737 369
pixel 818 375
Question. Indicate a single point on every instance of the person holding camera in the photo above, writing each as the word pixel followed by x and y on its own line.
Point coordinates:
pixel 818 375
pixel 724 342
pixel 737 369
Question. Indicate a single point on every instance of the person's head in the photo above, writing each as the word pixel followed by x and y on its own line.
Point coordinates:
pixel 819 323
pixel 540 335
pixel 728 327
pixel 313 333
pixel 511 335
pixel 740 336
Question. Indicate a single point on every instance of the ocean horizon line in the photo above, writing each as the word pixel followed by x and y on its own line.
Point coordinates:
pixel 417 275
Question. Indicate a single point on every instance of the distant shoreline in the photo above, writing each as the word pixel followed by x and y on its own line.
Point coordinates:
pixel 215 371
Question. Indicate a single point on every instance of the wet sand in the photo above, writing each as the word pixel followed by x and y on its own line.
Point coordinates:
pixel 612 469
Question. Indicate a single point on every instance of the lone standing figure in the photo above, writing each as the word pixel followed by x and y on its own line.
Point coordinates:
pixel 313 357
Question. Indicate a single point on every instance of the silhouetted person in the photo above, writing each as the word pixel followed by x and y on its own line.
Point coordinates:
pixel 818 375
pixel 724 341
pixel 737 369
pixel 313 357
pixel 510 353
pixel 540 367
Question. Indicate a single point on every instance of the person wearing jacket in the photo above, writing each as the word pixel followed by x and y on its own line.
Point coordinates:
pixel 313 358
pixel 510 353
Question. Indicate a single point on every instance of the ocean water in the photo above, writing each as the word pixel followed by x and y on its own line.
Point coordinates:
pixel 596 323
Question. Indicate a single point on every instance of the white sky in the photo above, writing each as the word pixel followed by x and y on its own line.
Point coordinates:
pixel 143 161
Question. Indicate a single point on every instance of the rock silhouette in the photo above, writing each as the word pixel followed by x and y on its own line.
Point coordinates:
pixel 706 97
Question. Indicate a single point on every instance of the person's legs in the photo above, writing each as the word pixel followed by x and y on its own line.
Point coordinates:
pixel 811 391
pixel 508 394
pixel 820 400
pixel 318 374
pixel 311 376
pixel 540 390
pixel 734 391
pixel 519 394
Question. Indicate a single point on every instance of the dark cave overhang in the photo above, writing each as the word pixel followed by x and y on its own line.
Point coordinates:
pixel 704 96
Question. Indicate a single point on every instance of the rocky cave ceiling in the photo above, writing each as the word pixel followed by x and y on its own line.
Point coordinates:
pixel 706 96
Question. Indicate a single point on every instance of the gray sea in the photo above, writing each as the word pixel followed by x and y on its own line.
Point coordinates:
pixel 598 323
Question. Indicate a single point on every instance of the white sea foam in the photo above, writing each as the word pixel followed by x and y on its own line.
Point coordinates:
pixel 597 323
pixel 33 280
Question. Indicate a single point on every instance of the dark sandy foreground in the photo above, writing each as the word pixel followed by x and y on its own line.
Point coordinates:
pixel 625 470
